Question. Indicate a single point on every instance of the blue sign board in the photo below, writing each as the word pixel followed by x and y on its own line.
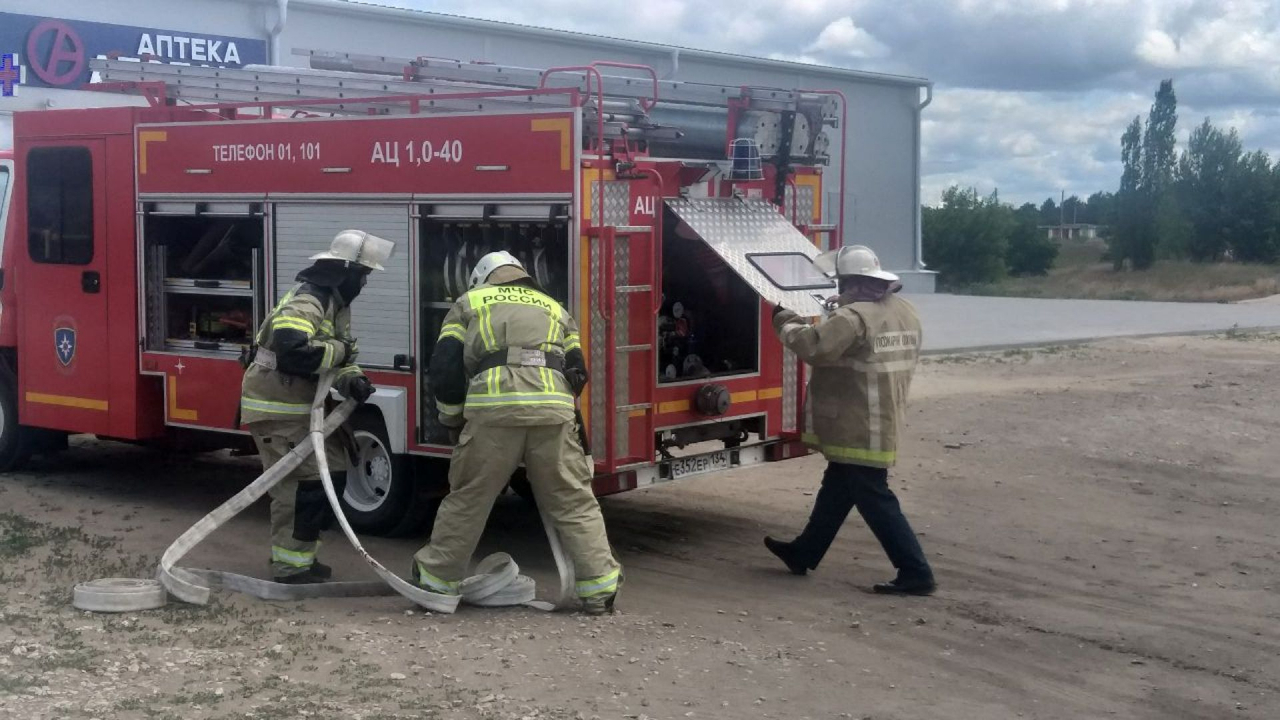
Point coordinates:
pixel 12 74
pixel 57 51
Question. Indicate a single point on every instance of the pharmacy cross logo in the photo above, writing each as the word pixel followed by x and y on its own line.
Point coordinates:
pixel 64 342
pixel 12 74
pixel 63 61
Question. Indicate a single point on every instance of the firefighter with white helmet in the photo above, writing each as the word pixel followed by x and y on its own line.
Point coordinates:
pixel 506 370
pixel 308 333
pixel 863 355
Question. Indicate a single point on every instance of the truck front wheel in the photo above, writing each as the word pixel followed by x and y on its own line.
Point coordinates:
pixel 383 495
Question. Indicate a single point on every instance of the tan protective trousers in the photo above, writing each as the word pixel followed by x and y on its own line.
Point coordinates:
pixel 275 438
pixel 560 474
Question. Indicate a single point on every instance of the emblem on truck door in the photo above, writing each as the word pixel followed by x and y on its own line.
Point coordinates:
pixel 64 341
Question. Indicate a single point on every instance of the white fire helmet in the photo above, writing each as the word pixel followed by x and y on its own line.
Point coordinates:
pixel 852 260
pixel 359 247
pixel 489 263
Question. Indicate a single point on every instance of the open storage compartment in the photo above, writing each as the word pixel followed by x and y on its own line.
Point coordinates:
pixel 202 269
pixel 709 325
pixel 453 237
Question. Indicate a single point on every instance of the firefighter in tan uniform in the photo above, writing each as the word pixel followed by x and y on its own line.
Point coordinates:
pixel 308 333
pixel 508 364
pixel 863 355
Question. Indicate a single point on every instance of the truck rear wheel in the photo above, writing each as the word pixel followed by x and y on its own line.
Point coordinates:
pixel 383 496
pixel 15 441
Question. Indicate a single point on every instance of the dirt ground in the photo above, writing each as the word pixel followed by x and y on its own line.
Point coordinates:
pixel 1102 521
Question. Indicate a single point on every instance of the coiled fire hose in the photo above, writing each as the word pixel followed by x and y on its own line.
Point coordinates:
pixel 497 581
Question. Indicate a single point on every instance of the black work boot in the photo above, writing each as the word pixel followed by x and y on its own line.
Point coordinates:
pixel 786 552
pixel 906 586
pixel 302 578
pixel 318 572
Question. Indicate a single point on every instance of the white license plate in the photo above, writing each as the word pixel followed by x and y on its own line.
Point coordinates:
pixel 684 467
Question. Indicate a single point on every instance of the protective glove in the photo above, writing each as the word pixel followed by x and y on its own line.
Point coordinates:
pixel 352 349
pixel 355 387
pixel 778 310
pixel 455 434
pixel 577 378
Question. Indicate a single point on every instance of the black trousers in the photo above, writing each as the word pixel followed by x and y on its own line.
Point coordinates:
pixel 847 486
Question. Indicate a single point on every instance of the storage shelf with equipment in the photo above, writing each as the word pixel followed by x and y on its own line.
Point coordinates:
pixel 453 236
pixel 203 275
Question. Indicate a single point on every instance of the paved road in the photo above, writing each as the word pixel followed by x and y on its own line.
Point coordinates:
pixel 955 322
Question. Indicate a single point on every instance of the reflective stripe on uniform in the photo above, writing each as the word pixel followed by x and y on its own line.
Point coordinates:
pixel 548 381
pixel 350 370
pixel 453 330
pixel 329 360
pixel 448 409
pixel 436 584
pixel 849 453
pixel 507 399
pixel 288 322
pixel 884 366
pixel 603 585
pixel 513 295
pixel 486 328
pixel 294 558
pixel 279 408
pixel 572 342
pixel 873 410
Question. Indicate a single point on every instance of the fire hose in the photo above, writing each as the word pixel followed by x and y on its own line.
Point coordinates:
pixel 497 581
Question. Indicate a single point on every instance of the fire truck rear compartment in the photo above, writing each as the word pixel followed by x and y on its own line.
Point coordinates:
pixel 202 266
pixel 709 325
pixel 453 237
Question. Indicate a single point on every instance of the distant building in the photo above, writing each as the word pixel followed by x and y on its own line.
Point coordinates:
pixel 1072 231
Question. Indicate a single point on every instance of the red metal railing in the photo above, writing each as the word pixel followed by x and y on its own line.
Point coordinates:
pixel 593 71
pixel 844 151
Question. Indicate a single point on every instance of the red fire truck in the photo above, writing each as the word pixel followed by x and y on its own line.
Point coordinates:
pixel 144 245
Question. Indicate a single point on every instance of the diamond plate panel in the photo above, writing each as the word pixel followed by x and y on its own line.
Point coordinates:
pixel 790 370
pixel 597 351
pixel 803 209
pixel 617 203
pixel 736 227
pixel 621 336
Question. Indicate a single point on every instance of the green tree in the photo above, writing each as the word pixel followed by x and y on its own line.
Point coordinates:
pixel 1100 209
pixel 1073 210
pixel 1172 230
pixel 1205 176
pixel 967 237
pixel 1148 176
pixel 1049 214
pixel 1253 209
pixel 1030 251
pixel 1128 238
pixel 1158 142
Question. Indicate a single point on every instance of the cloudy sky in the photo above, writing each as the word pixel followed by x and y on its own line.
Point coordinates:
pixel 1031 95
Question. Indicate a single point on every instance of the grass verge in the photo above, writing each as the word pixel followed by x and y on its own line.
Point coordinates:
pixel 1081 273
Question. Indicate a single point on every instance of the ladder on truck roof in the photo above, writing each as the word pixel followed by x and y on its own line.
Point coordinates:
pixel 615 87
pixel 615 106
pixel 333 72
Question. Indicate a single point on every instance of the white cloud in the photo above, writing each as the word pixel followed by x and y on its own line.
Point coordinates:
pixel 843 37
pixel 1032 95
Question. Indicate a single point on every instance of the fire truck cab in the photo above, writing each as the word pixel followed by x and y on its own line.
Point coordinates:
pixel 144 246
